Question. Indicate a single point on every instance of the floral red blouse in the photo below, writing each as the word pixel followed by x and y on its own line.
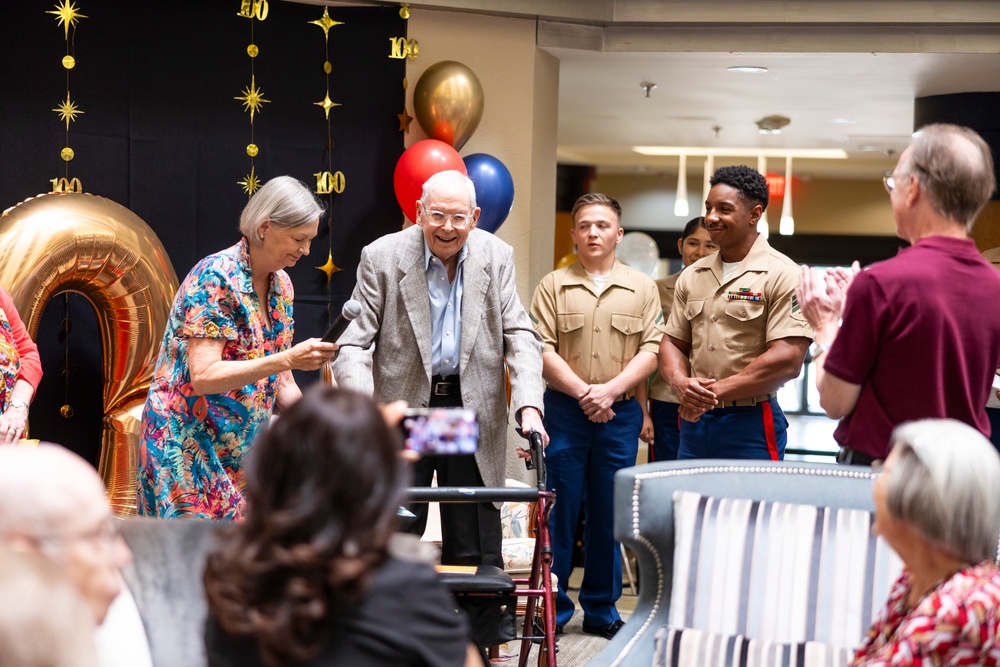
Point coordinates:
pixel 954 624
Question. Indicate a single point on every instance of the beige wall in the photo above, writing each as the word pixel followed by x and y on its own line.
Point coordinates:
pixel 520 85
pixel 819 206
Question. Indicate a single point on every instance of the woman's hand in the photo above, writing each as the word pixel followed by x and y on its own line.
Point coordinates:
pixel 12 423
pixel 309 355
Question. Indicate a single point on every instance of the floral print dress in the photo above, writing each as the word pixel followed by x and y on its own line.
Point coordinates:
pixel 954 624
pixel 191 450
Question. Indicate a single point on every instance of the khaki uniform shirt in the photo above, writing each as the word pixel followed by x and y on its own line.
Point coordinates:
pixel 730 324
pixel 597 335
pixel 660 388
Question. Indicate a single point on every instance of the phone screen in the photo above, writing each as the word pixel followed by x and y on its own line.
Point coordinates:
pixel 441 430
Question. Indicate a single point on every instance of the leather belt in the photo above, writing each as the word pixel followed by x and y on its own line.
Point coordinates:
pixel 745 402
pixel 627 395
pixel 853 457
pixel 445 386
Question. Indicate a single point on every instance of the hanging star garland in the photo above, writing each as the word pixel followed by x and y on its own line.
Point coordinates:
pixel 327 105
pixel 68 111
pixel 329 268
pixel 250 182
pixel 404 120
pixel 68 15
pixel 325 22
pixel 252 98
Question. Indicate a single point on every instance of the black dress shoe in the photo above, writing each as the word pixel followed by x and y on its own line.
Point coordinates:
pixel 607 631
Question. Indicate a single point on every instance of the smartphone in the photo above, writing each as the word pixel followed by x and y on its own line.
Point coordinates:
pixel 441 430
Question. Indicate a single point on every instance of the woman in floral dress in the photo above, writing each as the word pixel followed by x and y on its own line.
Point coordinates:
pixel 226 359
pixel 20 371
pixel 937 504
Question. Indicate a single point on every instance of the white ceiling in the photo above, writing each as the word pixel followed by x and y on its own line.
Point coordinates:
pixel 603 110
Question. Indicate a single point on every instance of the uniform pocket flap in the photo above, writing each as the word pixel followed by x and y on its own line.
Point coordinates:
pixel 744 311
pixel 569 321
pixel 626 324
pixel 692 309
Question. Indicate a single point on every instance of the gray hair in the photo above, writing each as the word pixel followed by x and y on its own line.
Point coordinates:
pixel 955 167
pixel 945 482
pixel 436 179
pixel 283 200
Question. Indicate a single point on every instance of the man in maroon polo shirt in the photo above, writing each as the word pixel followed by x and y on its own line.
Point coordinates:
pixel 919 334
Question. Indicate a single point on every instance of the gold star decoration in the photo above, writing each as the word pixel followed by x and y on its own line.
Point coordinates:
pixel 252 98
pixel 68 15
pixel 329 268
pixel 250 182
pixel 67 111
pixel 327 105
pixel 404 120
pixel 325 22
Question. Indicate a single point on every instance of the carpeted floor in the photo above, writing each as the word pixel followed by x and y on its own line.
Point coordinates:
pixel 575 648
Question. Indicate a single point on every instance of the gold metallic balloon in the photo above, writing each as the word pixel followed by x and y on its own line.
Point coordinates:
pixel 448 102
pixel 78 242
pixel 566 260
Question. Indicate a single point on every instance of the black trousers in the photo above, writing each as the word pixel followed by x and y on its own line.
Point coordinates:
pixel 470 532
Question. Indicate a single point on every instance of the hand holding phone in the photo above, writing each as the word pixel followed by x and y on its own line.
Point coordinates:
pixel 437 431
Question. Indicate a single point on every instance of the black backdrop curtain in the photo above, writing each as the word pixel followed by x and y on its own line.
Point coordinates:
pixel 162 134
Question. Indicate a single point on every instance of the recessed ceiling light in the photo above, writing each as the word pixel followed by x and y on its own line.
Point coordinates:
pixel 700 151
pixel 843 121
pixel 747 69
pixel 868 148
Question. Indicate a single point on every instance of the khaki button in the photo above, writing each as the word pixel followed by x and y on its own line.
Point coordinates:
pixel 595 355
pixel 712 348
pixel 597 329
pixel 743 313
pixel 715 318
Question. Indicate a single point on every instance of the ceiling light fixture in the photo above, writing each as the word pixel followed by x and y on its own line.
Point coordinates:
pixel 772 124
pixel 786 226
pixel 648 86
pixel 681 198
pixel 843 121
pixel 801 153
pixel 747 69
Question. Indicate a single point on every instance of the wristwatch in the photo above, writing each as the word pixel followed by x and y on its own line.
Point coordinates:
pixel 818 348
pixel 17 403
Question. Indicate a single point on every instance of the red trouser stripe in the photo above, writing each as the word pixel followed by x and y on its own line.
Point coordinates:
pixel 772 440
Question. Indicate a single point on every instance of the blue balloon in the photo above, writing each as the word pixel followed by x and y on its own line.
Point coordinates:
pixel 494 189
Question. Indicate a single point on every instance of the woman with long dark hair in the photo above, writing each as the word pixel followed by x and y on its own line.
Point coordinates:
pixel 307 578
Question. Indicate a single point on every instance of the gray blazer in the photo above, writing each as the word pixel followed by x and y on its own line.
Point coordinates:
pixel 386 351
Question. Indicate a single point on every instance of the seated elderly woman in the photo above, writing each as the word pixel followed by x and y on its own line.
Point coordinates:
pixel 937 504
pixel 307 578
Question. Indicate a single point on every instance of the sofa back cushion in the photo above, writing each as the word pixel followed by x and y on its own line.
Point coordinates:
pixel 687 647
pixel 777 572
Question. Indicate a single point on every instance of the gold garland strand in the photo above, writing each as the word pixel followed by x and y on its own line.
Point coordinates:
pixel 67 16
pixel 252 97
pixel 399 49
pixel 328 182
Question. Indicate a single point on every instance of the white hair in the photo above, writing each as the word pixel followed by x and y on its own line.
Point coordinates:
pixel 945 482
pixel 440 178
pixel 283 200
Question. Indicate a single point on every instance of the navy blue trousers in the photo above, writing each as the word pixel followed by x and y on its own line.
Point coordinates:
pixel 750 432
pixel 666 430
pixel 582 459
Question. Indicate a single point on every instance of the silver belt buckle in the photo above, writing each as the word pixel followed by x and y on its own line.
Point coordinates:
pixel 442 388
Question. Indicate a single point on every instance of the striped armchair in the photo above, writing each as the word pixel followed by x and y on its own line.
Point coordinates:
pixel 746 562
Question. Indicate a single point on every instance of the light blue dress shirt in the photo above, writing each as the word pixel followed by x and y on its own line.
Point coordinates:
pixel 446 313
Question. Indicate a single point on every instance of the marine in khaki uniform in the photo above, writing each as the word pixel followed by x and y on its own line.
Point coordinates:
pixel 735 332
pixel 661 425
pixel 601 326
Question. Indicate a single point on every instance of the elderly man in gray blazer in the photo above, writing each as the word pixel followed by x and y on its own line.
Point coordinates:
pixel 440 316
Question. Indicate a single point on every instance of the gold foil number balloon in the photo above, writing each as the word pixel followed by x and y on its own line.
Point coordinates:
pixel 78 242
pixel 448 102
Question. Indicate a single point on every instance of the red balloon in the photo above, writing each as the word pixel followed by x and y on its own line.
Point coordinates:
pixel 418 163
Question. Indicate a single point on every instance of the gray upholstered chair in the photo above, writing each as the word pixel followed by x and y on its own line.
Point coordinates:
pixel 645 500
